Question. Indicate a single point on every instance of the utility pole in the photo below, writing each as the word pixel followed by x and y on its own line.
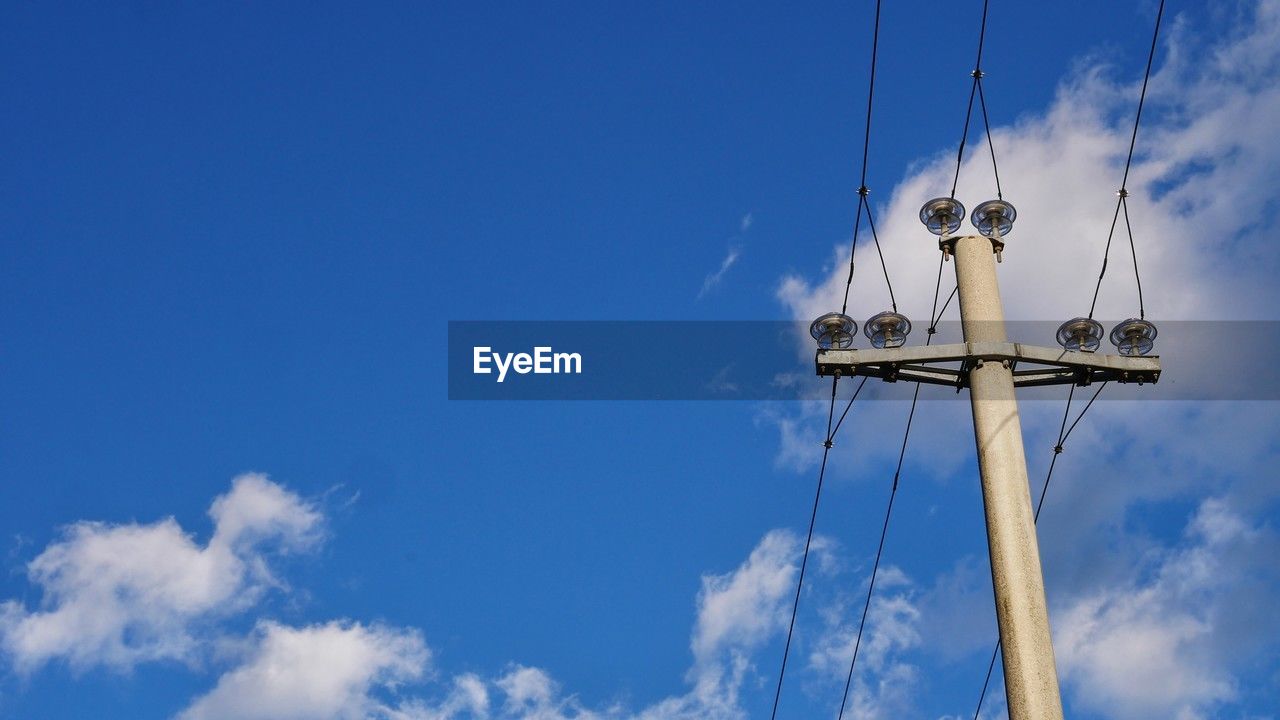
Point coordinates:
pixel 992 367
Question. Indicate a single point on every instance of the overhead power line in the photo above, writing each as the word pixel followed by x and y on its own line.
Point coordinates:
pixel 975 90
pixel 813 519
pixel 875 568
pixel 1123 193
pixel 863 190
pixel 935 316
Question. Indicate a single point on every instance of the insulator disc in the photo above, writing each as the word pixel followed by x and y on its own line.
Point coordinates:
pixel 1134 337
pixel 942 215
pixel 887 329
pixel 994 215
pixel 833 331
pixel 1083 334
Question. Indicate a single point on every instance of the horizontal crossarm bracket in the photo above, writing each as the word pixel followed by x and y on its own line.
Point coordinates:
pixel 950 364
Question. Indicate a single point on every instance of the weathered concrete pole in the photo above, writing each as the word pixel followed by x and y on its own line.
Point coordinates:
pixel 1031 679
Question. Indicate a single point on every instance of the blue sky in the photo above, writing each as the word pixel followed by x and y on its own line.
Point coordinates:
pixel 235 236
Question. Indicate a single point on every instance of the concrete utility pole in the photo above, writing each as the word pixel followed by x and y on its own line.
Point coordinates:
pixel 991 367
pixel 1031 680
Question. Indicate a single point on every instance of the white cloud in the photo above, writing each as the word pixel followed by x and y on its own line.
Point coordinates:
pixel 345 670
pixel 883 682
pixel 257 509
pixel 320 672
pixel 117 595
pixel 737 613
pixel 714 278
pixel 1163 647
pixel 126 594
pixel 739 610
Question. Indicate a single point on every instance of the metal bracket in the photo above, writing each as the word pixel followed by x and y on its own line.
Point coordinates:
pixel 951 365
pixel 947 244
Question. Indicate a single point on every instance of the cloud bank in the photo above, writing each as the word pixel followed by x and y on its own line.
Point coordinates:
pixel 118 595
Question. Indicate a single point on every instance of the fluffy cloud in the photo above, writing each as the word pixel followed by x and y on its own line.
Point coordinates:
pixel 120 595
pixel 739 610
pixel 1166 647
pixel 884 680
pixel 339 670
pixel 117 595
pixel 321 672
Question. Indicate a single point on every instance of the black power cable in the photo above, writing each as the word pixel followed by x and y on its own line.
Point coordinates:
pixel 813 518
pixel 975 90
pixel 1123 193
pixel 829 442
pixel 935 315
pixel 884 530
pixel 863 190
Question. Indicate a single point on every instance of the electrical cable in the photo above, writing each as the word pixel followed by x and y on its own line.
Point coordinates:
pixel 897 473
pixel 863 190
pixel 804 562
pixel 828 443
pixel 872 223
pixel 935 315
pixel 846 407
pixel 884 530
pixel 1123 193
pixel 976 89
pixel 995 169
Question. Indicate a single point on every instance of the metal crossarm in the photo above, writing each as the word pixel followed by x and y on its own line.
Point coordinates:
pixel 951 364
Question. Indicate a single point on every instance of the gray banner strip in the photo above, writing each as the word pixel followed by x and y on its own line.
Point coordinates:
pixel 774 360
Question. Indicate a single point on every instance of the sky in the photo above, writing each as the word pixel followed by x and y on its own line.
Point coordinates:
pixel 234 482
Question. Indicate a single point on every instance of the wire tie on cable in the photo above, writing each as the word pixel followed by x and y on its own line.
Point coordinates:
pixel 1057 449
pixel 977 74
pixel 828 444
pixel 864 191
pixel 1122 193
pixel 932 330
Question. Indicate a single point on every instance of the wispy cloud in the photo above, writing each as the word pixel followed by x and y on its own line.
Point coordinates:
pixel 714 278
pixel 731 256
